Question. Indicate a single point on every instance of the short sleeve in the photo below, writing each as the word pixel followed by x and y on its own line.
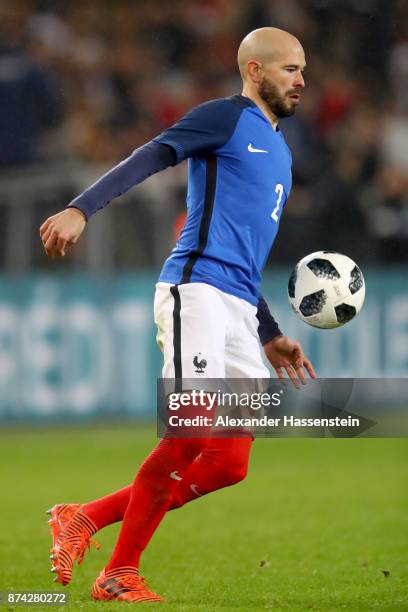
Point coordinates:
pixel 203 129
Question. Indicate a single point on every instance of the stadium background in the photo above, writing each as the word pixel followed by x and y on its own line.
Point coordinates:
pixel 81 86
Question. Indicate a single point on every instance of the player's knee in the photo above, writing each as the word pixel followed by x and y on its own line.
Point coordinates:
pixel 190 448
pixel 234 471
pixel 183 451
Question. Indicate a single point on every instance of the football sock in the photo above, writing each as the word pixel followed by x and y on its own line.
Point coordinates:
pixel 222 462
pixel 108 509
pixel 151 495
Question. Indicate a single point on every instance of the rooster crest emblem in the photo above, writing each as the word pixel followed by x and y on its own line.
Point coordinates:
pixel 199 364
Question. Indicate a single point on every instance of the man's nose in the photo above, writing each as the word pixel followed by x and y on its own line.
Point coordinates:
pixel 299 81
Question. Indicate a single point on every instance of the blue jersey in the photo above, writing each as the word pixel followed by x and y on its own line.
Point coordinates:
pixel 239 179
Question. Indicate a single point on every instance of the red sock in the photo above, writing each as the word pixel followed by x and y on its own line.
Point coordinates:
pixel 112 508
pixel 223 462
pixel 151 496
pixel 108 509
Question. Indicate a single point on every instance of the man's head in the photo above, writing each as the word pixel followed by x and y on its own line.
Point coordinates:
pixel 271 63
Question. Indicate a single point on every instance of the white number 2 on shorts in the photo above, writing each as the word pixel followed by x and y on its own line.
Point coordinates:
pixel 279 192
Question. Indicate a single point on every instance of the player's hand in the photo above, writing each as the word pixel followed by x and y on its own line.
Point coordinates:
pixel 61 231
pixel 286 354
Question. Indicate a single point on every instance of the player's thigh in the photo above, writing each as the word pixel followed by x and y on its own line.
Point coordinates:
pixel 191 323
pixel 244 353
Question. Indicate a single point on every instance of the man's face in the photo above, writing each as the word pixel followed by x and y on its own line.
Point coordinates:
pixel 282 84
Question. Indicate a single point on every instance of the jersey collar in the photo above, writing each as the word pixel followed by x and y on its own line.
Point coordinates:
pixel 245 101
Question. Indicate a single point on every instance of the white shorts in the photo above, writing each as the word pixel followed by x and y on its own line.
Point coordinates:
pixel 204 332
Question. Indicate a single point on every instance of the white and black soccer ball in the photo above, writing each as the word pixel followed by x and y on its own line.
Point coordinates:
pixel 326 289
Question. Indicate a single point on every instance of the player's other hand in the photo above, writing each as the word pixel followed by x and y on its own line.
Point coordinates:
pixel 61 231
pixel 286 354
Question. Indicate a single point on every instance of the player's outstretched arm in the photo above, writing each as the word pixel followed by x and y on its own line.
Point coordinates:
pixel 202 130
pixel 286 354
pixel 61 231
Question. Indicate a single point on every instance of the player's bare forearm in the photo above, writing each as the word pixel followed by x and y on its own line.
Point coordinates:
pixel 286 354
pixel 61 231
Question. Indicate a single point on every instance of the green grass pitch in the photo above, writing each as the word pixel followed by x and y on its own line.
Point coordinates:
pixel 313 527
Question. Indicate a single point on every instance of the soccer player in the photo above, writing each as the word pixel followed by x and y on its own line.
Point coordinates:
pixel 207 299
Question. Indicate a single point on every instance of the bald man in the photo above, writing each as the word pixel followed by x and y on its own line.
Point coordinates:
pixel 271 63
pixel 212 320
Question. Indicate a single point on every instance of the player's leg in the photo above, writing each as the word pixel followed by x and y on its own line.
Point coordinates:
pixel 73 525
pixel 151 496
pixel 147 500
pixel 223 462
pixel 185 317
pixel 112 507
pixel 108 509
pixel 191 332
pixel 244 354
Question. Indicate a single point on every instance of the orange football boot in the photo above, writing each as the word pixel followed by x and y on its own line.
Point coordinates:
pixel 122 584
pixel 71 536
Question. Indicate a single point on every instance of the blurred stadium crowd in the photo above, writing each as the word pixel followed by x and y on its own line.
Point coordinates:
pixel 84 83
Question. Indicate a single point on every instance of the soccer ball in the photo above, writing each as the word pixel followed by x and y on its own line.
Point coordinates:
pixel 326 289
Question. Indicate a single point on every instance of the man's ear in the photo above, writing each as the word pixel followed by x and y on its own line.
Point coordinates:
pixel 254 71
